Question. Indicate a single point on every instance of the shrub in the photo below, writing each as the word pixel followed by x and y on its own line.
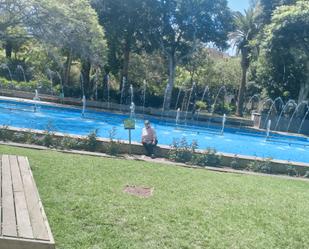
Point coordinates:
pixel 235 164
pixel 31 138
pixel 5 134
pixel 182 151
pixel 19 137
pixel 43 85
pixel 291 171
pixel 209 158
pixel 91 142
pixel 306 174
pixel 68 143
pixel 113 147
pixel 200 105
pixel 48 139
pixel 223 108
pixel 260 166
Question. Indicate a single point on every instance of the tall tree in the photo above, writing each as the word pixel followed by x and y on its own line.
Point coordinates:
pixel 269 6
pixel 183 24
pixel 127 24
pixel 246 28
pixel 286 49
pixel 72 26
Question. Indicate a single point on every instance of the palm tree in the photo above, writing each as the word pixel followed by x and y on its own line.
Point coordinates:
pixel 246 29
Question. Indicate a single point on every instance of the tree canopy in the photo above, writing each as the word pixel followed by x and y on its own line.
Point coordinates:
pixel 183 24
pixel 285 61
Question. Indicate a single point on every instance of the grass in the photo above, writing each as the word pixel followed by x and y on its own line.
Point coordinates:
pixel 191 208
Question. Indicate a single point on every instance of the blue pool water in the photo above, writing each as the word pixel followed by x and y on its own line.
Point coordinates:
pixel 235 141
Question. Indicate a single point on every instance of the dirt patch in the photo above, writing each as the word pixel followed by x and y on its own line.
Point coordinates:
pixel 138 191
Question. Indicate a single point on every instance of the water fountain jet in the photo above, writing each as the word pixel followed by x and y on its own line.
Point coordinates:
pixel 202 100
pixel 132 110
pixel 268 129
pixel 296 110
pixel 144 95
pixel 164 100
pixel 5 66
pixel 20 67
pixel 189 101
pixel 122 91
pixel 303 120
pixel 36 98
pixel 108 90
pixel 290 101
pixel 84 105
pixel 214 104
pixel 177 116
pixel 61 83
pixel 273 106
pixel 81 78
pixel 223 124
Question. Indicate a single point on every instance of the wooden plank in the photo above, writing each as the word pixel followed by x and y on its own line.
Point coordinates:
pixel 24 229
pixel 51 238
pixel 8 208
pixel 33 202
pixel 13 243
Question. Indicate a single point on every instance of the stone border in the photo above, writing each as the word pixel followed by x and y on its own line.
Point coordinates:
pixel 161 161
pixel 278 166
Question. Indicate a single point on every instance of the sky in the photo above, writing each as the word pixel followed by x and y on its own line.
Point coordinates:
pixel 238 5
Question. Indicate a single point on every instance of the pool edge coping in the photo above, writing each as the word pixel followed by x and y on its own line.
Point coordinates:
pixel 162 161
pixel 165 147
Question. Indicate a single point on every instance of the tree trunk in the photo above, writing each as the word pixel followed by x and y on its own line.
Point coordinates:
pixel 242 87
pixel 304 87
pixel 126 62
pixel 8 49
pixel 67 68
pixel 171 81
pixel 86 67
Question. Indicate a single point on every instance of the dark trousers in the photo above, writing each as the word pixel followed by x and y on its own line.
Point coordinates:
pixel 150 148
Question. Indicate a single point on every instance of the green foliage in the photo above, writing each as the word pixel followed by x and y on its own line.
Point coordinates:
pixel 69 143
pixel 235 164
pixel 224 108
pixel 283 64
pixel 181 150
pixel 128 26
pixel 5 134
pixel 184 25
pixel 30 86
pixel 207 158
pixel 260 166
pixel 48 139
pixel 291 171
pixel 184 152
pixel 113 147
pixel 91 143
pixel 246 30
pixel 201 105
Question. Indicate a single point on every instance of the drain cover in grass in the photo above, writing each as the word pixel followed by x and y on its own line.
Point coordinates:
pixel 138 191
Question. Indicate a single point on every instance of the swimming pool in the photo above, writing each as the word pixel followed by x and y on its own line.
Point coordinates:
pixel 68 120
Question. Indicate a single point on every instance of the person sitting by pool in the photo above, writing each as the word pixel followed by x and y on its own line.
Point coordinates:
pixel 149 139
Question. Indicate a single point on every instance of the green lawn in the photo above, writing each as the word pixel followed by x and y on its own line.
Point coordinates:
pixel 191 208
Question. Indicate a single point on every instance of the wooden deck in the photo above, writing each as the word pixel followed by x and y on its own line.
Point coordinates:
pixel 23 223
